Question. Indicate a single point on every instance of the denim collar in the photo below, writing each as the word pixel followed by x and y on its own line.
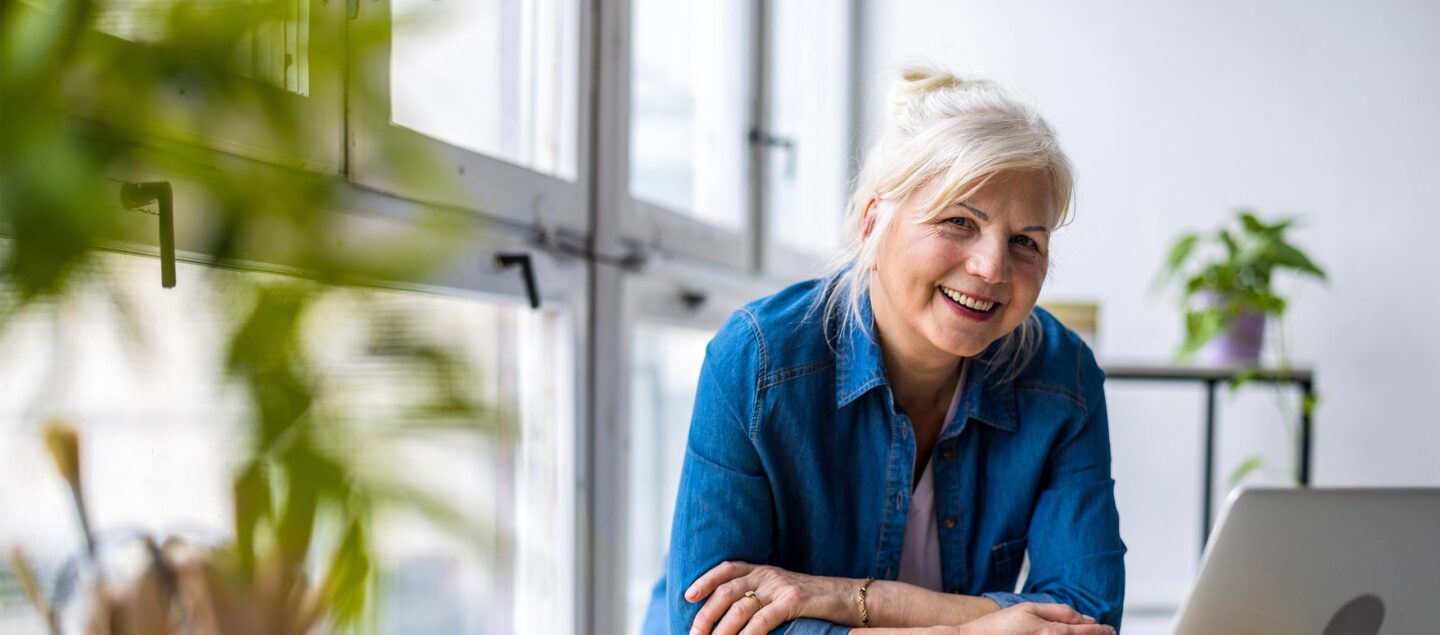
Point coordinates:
pixel 860 367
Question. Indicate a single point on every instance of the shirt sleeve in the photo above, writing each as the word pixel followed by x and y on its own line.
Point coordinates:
pixel 1076 554
pixel 724 510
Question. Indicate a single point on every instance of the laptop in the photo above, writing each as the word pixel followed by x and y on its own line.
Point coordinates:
pixel 1320 562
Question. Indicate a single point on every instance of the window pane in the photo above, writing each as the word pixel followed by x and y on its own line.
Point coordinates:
pixel 664 370
pixel 806 180
pixel 276 53
pixel 497 77
pixel 140 372
pixel 689 116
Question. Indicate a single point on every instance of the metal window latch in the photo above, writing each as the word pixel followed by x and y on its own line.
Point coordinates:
pixel 137 195
pixel 556 241
pixel 693 299
pixel 760 137
pixel 527 270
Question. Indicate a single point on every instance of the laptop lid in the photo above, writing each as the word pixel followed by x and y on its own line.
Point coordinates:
pixel 1320 561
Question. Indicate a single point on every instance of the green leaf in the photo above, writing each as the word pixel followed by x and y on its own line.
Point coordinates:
pixel 346 581
pixel 1308 403
pixel 1266 303
pixel 1246 468
pixel 1250 223
pixel 1194 284
pixel 252 504
pixel 1277 231
pixel 1287 255
pixel 1200 327
pixel 1181 250
pixel 1231 247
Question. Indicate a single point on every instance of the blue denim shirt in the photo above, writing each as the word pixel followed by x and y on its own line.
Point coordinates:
pixel 800 457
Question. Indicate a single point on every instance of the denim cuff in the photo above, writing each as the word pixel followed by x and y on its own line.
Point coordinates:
pixel 1006 600
pixel 807 626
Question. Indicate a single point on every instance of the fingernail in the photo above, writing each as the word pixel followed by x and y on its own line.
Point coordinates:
pixel 1088 619
pixel 694 631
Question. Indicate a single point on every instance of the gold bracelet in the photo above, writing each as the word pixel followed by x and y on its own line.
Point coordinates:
pixel 864 613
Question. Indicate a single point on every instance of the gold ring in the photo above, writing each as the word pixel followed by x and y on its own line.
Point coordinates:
pixel 751 595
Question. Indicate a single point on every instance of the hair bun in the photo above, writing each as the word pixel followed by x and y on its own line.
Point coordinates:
pixel 916 81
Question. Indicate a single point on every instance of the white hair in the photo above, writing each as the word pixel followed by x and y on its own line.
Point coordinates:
pixel 964 132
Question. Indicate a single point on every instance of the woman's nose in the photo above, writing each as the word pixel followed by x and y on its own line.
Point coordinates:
pixel 989 262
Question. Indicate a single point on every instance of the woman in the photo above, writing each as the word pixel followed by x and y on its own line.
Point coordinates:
pixel 885 446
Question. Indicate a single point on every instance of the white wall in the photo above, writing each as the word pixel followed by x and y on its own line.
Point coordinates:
pixel 1175 114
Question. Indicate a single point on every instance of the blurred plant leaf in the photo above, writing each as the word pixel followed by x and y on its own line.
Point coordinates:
pixel 348 577
pixel 82 106
pixel 1241 378
pixel 1308 404
pixel 1246 468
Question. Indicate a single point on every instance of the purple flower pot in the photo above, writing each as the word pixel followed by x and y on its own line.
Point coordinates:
pixel 1238 345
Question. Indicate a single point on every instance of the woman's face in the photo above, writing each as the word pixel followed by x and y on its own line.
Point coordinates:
pixel 951 285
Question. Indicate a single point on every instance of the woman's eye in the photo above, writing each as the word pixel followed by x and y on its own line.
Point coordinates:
pixel 959 221
pixel 1024 241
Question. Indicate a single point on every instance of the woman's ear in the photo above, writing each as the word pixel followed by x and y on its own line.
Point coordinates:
pixel 868 223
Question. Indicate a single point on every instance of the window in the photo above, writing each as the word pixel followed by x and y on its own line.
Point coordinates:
pixel 139 371
pixel 474 104
pixel 493 77
pixel 712 135
pixel 808 121
pixel 664 370
pixel 688 117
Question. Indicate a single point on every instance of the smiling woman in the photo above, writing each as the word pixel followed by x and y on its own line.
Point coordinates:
pixel 885 446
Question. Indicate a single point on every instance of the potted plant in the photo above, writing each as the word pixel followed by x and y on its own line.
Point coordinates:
pixel 1228 292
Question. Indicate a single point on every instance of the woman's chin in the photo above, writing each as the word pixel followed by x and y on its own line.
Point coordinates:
pixel 961 347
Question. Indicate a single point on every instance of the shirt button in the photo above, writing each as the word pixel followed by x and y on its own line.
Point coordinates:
pixel 947 454
pixel 949 522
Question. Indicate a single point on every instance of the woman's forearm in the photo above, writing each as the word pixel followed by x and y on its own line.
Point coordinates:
pixel 897 604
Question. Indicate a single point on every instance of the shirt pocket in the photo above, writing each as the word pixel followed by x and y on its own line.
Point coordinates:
pixel 1006 559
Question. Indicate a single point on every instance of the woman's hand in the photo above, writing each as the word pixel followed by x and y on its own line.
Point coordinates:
pixel 1035 619
pixel 779 596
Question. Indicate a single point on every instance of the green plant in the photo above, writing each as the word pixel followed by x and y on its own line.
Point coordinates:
pixel 1237 278
pixel 82 107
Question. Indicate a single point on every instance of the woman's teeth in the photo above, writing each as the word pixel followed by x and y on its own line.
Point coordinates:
pixel 967 301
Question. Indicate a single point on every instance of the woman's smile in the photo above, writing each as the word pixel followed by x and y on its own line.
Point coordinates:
pixel 968 306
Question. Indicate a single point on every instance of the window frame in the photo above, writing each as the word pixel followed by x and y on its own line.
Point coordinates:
pixel 651 226
pixel 489 185
pixel 653 297
pixel 683 254
pixel 777 258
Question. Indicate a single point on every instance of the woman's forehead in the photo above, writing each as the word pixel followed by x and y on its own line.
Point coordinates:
pixel 1021 196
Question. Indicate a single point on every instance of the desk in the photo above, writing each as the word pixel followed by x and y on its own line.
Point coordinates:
pixel 1212 377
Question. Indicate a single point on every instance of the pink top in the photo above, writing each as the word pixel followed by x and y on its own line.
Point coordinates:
pixel 920 553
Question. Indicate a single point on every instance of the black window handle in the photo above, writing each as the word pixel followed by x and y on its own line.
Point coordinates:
pixel 763 138
pixel 527 269
pixel 138 195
